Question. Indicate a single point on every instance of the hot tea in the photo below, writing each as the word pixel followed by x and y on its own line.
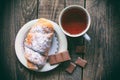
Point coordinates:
pixel 74 21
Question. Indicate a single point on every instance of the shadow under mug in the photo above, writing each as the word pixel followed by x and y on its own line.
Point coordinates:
pixel 74 21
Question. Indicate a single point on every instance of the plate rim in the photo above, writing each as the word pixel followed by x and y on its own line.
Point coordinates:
pixel 61 37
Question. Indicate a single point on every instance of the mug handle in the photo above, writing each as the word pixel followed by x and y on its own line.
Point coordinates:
pixel 87 37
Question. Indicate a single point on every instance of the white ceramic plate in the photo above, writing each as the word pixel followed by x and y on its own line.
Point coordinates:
pixel 62 42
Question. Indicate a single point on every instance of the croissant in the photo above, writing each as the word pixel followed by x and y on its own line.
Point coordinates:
pixel 38 42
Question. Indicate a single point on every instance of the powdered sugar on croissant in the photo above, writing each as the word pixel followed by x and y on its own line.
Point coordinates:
pixel 38 42
pixel 34 57
pixel 40 36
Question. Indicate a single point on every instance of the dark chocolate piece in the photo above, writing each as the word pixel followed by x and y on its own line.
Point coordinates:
pixel 71 67
pixel 52 59
pixel 81 62
pixel 66 56
pixel 59 57
pixel 80 49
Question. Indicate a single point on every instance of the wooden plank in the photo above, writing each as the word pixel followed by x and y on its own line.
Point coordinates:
pixel 17 13
pixel 72 43
pixel 49 9
pixel 2 62
pixel 74 2
pixel 25 10
pixel 102 53
pixel 8 56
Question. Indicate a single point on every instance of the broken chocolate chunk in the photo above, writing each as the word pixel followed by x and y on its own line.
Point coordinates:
pixel 80 49
pixel 66 56
pixel 81 62
pixel 71 67
pixel 52 59
pixel 59 57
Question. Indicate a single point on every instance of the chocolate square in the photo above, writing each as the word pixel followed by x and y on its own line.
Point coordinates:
pixel 66 55
pixel 80 49
pixel 59 58
pixel 71 67
pixel 81 62
pixel 52 59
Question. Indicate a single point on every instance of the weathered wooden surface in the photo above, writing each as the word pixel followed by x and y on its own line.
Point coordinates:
pixel 102 54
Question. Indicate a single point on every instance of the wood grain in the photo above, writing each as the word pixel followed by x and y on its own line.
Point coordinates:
pixel 50 9
pixel 72 43
pixel 24 11
pixel 8 56
pixel 17 13
pixel 104 44
pixel 102 53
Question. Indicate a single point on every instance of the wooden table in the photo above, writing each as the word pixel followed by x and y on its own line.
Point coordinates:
pixel 102 54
